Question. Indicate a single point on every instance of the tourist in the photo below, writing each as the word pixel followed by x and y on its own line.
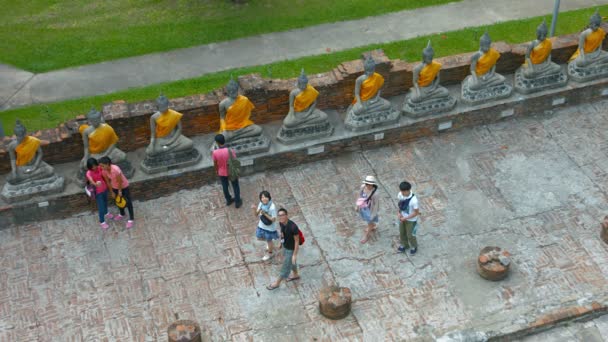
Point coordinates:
pixel 220 162
pixel 120 186
pixel 408 218
pixel 367 206
pixel 266 212
pixel 290 238
pixel 95 177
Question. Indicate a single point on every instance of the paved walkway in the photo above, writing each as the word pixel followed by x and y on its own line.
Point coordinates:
pixel 523 184
pixel 20 88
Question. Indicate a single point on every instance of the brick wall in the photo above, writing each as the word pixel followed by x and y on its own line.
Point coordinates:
pixel 201 114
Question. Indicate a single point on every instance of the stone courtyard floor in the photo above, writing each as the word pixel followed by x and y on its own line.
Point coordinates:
pixel 535 186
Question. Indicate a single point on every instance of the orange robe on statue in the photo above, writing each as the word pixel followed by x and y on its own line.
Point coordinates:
pixel 428 74
pixel 26 150
pixel 541 52
pixel 101 138
pixel 486 62
pixel 237 115
pixel 305 98
pixel 370 87
pixel 592 42
pixel 166 122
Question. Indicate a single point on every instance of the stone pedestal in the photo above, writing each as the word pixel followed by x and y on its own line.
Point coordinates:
pixel 493 263
pixel 604 230
pixel 427 107
pixel 185 331
pixel 38 187
pixel 303 133
pixel 170 161
pixel 366 121
pixel 335 302
pixel 479 96
pixel 525 85
pixel 248 146
pixel 588 73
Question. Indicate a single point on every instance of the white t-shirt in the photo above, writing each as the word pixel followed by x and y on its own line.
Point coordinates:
pixel 272 211
pixel 413 205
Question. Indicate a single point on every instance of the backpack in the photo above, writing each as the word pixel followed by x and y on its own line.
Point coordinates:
pixel 404 204
pixel 301 235
pixel 234 166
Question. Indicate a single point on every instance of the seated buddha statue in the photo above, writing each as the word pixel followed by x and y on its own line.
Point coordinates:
pixel 304 120
pixel 538 55
pixel 166 130
pixel 235 113
pixel 99 140
pixel 26 158
pixel 590 61
pixel 30 176
pixel 484 83
pixel 427 95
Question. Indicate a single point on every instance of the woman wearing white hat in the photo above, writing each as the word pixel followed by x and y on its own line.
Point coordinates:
pixel 367 206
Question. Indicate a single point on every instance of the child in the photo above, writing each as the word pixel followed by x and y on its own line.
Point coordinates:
pixel 266 230
pixel 120 186
pixel 408 217
pixel 367 206
pixel 95 176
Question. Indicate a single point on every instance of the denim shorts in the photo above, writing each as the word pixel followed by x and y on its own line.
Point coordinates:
pixel 266 235
pixel 366 215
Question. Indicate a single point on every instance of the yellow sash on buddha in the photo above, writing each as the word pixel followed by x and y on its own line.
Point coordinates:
pixel 592 42
pixel 237 115
pixel 101 138
pixel 541 52
pixel 428 74
pixel 26 150
pixel 486 62
pixel 166 122
pixel 305 98
pixel 370 87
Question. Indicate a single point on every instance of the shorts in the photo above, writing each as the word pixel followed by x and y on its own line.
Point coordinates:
pixel 366 215
pixel 266 235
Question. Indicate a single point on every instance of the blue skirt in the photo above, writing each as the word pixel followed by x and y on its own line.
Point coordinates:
pixel 366 214
pixel 266 235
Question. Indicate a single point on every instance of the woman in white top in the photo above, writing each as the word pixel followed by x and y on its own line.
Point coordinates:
pixel 266 230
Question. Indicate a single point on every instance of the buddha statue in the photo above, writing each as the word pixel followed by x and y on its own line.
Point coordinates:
pixel 484 83
pixel 368 109
pixel 304 121
pixel 29 174
pixel 427 95
pixel 590 61
pixel 539 72
pixel 168 148
pixel 236 126
pixel 99 140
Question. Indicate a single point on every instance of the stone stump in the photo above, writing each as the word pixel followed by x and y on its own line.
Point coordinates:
pixel 493 263
pixel 334 302
pixel 184 331
pixel 604 231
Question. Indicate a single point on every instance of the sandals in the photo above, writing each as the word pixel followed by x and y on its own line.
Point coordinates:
pixel 292 278
pixel 271 287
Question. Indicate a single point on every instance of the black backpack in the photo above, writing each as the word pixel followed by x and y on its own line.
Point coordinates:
pixel 404 204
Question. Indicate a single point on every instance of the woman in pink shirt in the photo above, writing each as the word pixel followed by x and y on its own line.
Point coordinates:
pixel 120 186
pixel 95 176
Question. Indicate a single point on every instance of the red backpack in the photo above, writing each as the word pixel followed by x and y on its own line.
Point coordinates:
pixel 301 235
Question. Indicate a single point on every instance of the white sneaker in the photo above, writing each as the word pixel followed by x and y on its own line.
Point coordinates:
pixel 267 256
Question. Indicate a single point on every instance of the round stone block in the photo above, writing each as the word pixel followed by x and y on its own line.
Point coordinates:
pixel 493 263
pixel 184 331
pixel 604 231
pixel 334 302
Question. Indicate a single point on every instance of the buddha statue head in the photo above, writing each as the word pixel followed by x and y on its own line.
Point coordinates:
pixel 302 80
pixel 595 21
pixel 541 31
pixel 19 130
pixel 94 117
pixel 232 88
pixel 369 65
pixel 162 103
pixel 485 42
pixel 428 53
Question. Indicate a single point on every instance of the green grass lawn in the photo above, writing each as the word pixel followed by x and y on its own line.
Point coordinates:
pixel 449 43
pixel 43 35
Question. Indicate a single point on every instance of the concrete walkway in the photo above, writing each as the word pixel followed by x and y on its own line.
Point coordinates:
pixel 19 88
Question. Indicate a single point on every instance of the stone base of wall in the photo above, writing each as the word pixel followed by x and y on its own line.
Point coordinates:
pixel 145 187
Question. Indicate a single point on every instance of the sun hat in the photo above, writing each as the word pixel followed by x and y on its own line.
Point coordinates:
pixel 371 180
pixel 121 202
